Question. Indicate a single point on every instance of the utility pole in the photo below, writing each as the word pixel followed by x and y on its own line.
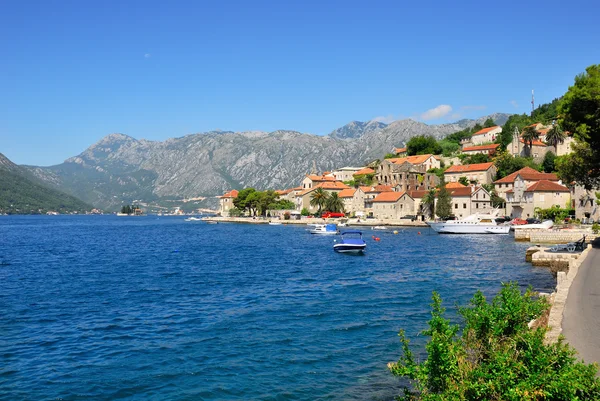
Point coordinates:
pixel 532 103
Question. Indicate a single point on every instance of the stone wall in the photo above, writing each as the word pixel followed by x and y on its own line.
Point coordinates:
pixel 552 237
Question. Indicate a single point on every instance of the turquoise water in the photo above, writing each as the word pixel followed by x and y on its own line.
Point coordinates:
pixel 147 308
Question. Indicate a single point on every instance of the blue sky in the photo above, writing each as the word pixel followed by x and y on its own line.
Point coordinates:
pixel 72 72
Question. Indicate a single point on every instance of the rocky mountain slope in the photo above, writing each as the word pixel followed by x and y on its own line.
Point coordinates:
pixel 23 194
pixel 120 169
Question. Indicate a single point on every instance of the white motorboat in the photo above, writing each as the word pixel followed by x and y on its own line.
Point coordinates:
pixel 477 223
pixel 544 225
pixel 351 242
pixel 274 223
pixel 325 229
pixel 193 219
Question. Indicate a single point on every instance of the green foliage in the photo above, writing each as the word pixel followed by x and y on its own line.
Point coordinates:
pixel 473 159
pixel 235 212
pixel 421 145
pixel 529 135
pixel 546 113
pixel 520 121
pixel 304 212
pixel 496 357
pixel 580 112
pixel 319 198
pixel 282 204
pixel 448 147
pixel 489 123
pixel 389 156
pixel 334 203
pixel 548 162
pixel 361 179
pixel 497 201
pixel 287 216
pixel 555 213
pixel 428 203
pixel 259 202
pixel 20 195
pixel 554 136
pixel 444 203
pixel 437 171
pixel 507 164
pixel 595 228
pixel 463 180
pixel 130 209
pixel 458 136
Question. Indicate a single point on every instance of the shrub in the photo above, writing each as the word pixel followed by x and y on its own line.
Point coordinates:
pixel 287 216
pixel 496 357
pixel 305 212
pixel 595 228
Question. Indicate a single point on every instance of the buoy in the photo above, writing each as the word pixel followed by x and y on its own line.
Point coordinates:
pixel 419 233
pixel 395 231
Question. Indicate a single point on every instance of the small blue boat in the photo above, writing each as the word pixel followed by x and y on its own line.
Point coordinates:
pixel 325 229
pixel 351 242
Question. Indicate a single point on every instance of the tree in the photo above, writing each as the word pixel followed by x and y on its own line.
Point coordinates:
pixel 444 203
pixel 529 135
pixel 241 201
pixel 580 113
pixel 266 200
pixel 318 198
pixel 448 147
pixel 555 136
pixel 334 203
pixel 421 145
pixel 489 123
pixel 518 121
pixel 463 180
pixel 428 203
pixel 496 356
pixel 507 164
pixel 548 162
pixel 474 159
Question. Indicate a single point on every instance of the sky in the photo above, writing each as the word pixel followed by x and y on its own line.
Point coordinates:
pixel 72 72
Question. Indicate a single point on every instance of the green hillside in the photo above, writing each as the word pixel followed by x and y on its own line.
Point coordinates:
pixel 19 194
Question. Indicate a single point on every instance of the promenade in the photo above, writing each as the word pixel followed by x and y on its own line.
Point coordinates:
pixel 581 319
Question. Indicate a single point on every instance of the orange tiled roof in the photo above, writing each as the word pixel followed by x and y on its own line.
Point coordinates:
pixel 319 178
pixel 284 191
pixel 547 186
pixel 382 188
pixel 328 185
pixel 535 142
pixel 366 189
pixel 231 194
pixel 347 193
pixel 418 159
pixel 365 170
pixel 389 196
pixel 528 174
pixel 454 185
pixel 486 130
pixel 400 150
pixel 417 194
pixel 469 167
pixel 492 147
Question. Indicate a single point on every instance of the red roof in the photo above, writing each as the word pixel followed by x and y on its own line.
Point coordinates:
pixel 389 196
pixel 365 170
pixel 400 150
pixel 418 159
pixel 528 174
pixel 486 130
pixel 547 186
pixel 469 167
pixel 383 188
pixel 491 147
pixel 454 185
pixel 319 178
pixel 535 142
pixel 417 194
pixel 347 193
pixel 464 191
pixel 330 185
pixel 231 194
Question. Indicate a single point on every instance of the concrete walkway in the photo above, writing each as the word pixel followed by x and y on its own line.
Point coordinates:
pixel 581 318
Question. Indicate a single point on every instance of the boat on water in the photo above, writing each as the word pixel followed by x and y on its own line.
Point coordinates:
pixel 193 219
pixel 379 228
pixel 546 224
pixel 325 229
pixel 212 222
pixel 351 242
pixel 478 223
pixel 274 223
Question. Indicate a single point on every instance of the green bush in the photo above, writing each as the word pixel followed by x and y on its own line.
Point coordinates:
pixel 595 228
pixel 304 212
pixel 496 357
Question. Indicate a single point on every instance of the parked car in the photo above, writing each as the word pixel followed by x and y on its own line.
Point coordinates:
pixel 502 219
pixel 328 215
pixel 410 217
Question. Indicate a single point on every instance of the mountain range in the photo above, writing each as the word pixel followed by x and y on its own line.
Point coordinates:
pixel 119 169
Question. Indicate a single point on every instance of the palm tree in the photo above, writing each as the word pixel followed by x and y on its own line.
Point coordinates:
pixel 428 204
pixel 555 136
pixel 529 135
pixel 319 198
pixel 335 203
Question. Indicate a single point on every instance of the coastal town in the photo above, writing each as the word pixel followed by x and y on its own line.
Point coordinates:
pixel 398 188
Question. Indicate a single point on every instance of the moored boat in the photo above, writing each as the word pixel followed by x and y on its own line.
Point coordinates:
pixel 351 242
pixel 478 223
pixel 325 229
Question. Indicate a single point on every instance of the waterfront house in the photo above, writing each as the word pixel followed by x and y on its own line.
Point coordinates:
pixel 312 180
pixel 542 194
pixel 522 178
pixel 489 150
pixel 482 173
pixel 469 200
pixel 303 198
pixel 345 173
pixel 371 193
pixel 354 200
pixel 392 205
pixel 226 202
pixel 486 135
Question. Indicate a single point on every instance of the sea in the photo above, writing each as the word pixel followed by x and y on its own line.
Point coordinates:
pixel 157 308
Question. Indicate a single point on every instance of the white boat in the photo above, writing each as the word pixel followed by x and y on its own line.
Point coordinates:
pixel 379 228
pixel 274 223
pixel 325 229
pixel 477 223
pixel 546 224
pixel 193 219
pixel 351 242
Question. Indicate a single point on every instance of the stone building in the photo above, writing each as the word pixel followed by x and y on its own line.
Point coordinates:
pixel 408 173
pixel 226 202
pixel 482 173
pixel 393 205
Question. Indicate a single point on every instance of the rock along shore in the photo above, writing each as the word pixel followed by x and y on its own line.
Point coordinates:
pixel 351 222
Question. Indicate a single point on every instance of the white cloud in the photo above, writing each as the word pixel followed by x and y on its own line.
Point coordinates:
pixel 514 103
pixel 437 112
pixel 147 55
pixel 479 107
pixel 385 119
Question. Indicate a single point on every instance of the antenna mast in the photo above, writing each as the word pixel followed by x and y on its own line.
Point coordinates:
pixel 532 102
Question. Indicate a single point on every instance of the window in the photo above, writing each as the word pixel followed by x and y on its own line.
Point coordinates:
pixel 477 206
pixel 456 205
pixel 464 205
pixel 542 197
